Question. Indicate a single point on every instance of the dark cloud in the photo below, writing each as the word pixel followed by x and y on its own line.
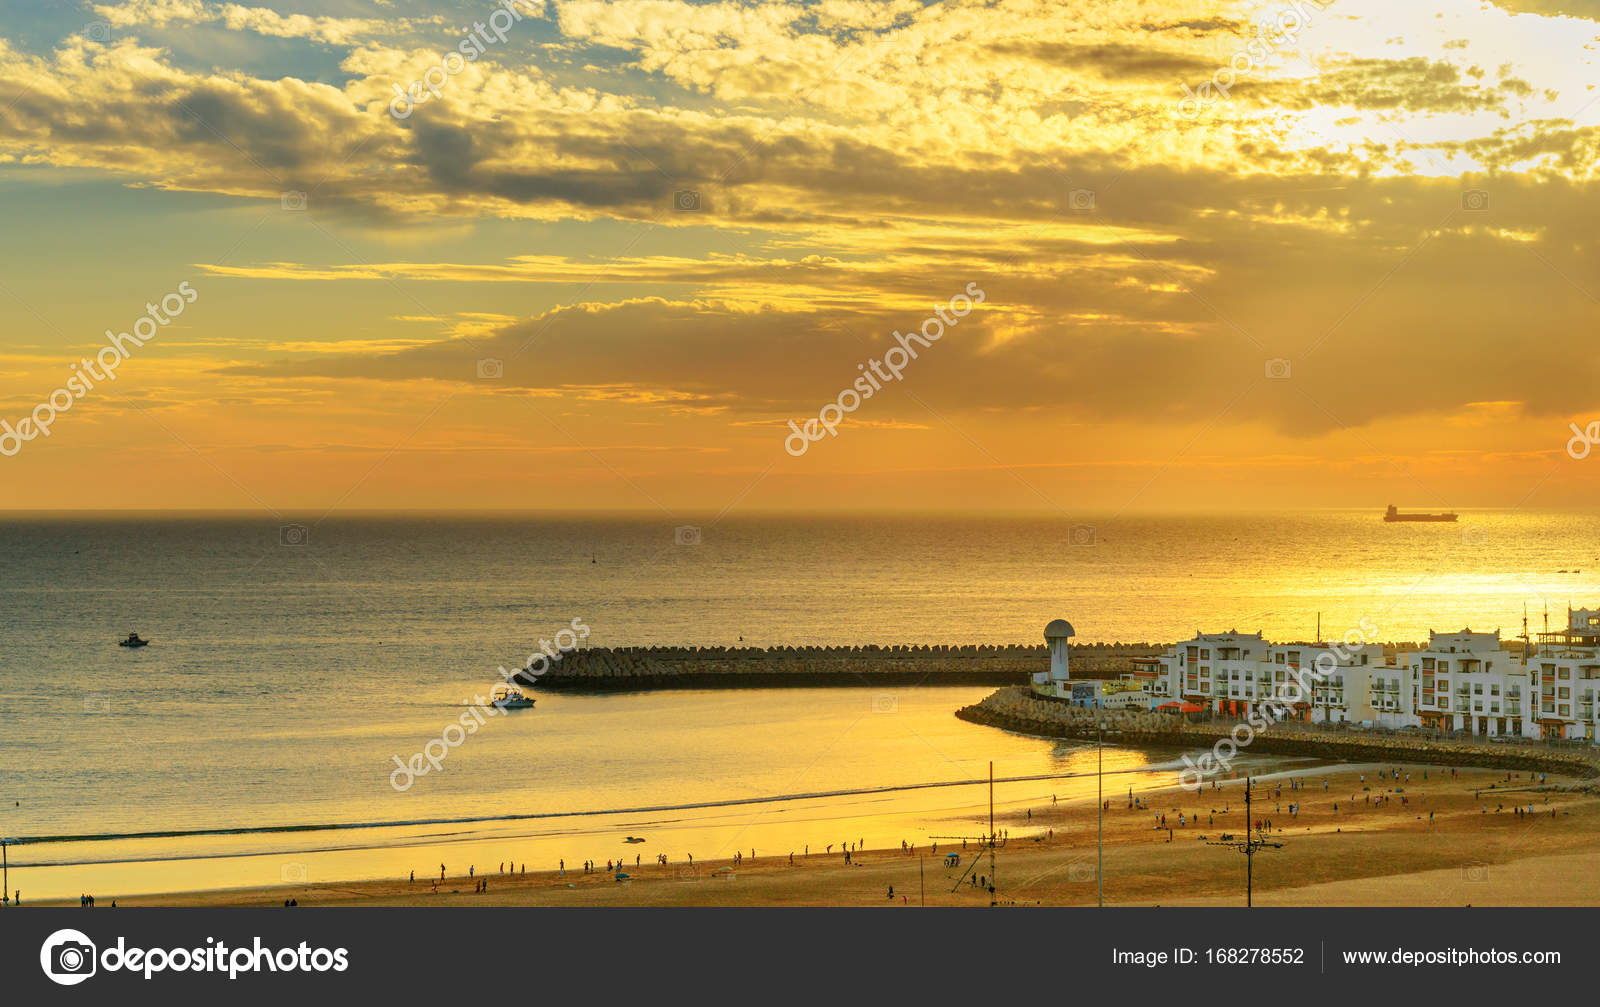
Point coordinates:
pixel 1414 84
pixel 1112 60
pixel 1414 304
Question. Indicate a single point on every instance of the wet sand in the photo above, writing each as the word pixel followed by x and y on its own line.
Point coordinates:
pixel 1384 853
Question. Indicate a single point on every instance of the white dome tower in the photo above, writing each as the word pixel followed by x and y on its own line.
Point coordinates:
pixel 1058 680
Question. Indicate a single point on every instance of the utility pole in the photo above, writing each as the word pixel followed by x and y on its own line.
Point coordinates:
pixel 1249 846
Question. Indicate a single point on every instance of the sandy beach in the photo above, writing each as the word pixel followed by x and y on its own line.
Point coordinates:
pixel 1453 838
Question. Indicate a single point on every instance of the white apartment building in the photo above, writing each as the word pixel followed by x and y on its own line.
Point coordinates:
pixel 1214 670
pixel 1461 681
pixel 1466 682
pixel 1232 673
pixel 1564 677
pixel 1346 684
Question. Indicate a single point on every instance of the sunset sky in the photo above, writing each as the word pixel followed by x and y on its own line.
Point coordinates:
pixel 1366 274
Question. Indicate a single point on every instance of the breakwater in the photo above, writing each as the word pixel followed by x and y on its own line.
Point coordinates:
pixel 613 669
pixel 1018 709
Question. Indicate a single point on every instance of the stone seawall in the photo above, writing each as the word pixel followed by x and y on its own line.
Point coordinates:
pixel 1019 710
pixel 607 669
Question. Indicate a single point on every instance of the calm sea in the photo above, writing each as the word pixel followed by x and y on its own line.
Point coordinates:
pixel 290 664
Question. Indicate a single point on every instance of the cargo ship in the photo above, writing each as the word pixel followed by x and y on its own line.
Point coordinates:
pixel 1394 515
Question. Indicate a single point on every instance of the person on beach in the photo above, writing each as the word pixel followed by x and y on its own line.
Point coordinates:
pixel 441 872
pixel 413 877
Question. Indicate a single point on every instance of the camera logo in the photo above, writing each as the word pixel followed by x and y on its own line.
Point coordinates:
pixel 686 534
pixel 885 702
pixel 1081 200
pixel 686 200
pixel 1278 368
pixel 1081 534
pixel 1474 874
pixel 1475 200
pixel 293 874
pixel 490 368
pixel 293 534
pixel 1081 871
pixel 292 200
pixel 68 957
pixel 97 31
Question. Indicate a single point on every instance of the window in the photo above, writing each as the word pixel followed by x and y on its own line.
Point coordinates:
pixel 1205 653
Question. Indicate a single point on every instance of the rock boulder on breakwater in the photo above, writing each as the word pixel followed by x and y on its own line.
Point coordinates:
pixel 1018 709
pixel 608 669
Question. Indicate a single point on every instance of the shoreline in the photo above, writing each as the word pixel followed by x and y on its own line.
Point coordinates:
pixel 1423 836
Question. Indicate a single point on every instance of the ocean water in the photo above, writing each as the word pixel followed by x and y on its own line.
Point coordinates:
pixel 289 667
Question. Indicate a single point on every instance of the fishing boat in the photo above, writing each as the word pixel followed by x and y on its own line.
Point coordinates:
pixel 133 640
pixel 1392 514
pixel 506 696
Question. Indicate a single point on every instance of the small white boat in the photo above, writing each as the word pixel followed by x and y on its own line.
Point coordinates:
pixel 506 696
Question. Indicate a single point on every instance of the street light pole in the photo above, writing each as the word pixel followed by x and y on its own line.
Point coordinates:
pixel 1100 809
